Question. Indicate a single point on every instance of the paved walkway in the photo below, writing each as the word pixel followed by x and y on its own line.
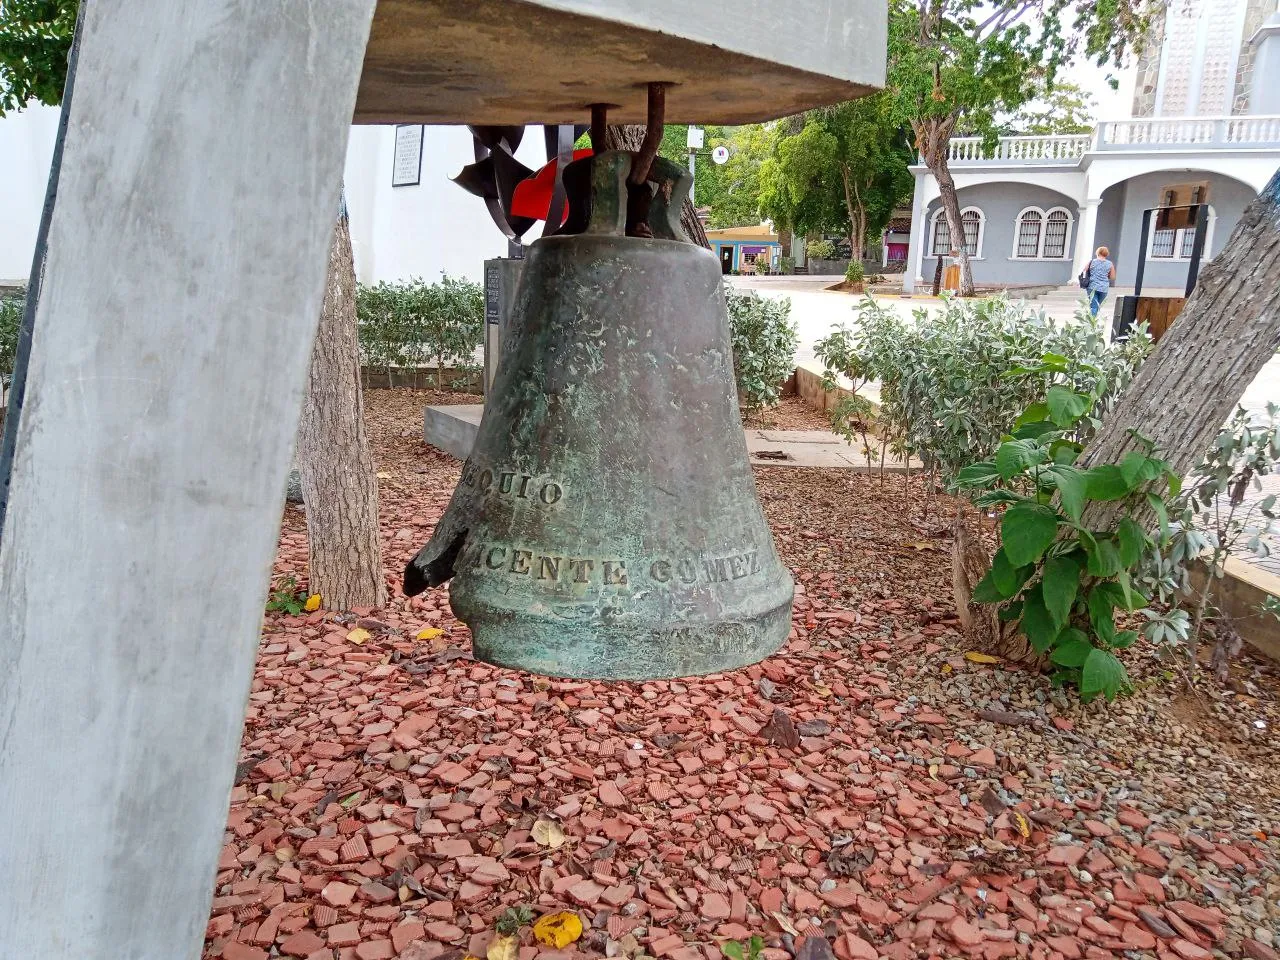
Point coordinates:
pixel 453 428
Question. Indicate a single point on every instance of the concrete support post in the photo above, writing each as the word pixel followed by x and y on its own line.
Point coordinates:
pixel 186 261
pixel 919 234
pixel 1086 226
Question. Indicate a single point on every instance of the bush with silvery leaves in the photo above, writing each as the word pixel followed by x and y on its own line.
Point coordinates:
pixel 764 345
pixel 1212 518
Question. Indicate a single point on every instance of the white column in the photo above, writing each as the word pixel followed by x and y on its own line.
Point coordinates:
pixel 1086 225
pixel 911 275
pixel 186 264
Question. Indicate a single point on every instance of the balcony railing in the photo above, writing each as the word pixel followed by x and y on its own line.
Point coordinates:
pixel 1120 135
pixel 1050 149
pixel 1229 132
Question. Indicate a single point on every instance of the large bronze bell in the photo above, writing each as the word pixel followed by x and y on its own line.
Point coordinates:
pixel 606 524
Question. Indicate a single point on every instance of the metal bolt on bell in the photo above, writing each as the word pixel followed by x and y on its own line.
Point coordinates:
pixel 606 525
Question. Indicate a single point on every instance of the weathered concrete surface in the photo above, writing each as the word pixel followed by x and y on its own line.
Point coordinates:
pixel 186 262
pixel 545 61
pixel 1240 594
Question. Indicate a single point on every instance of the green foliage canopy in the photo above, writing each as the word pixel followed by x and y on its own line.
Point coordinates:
pixel 35 39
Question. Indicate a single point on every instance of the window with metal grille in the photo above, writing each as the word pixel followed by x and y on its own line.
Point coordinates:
pixel 941 236
pixel 1188 241
pixel 1162 243
pixel 1029 234
pixel 1055 234
pixel 972 221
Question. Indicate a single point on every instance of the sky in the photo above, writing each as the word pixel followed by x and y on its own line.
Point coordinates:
pixel 1112 104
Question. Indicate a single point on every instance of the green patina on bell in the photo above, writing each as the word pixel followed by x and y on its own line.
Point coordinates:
pixel 606 524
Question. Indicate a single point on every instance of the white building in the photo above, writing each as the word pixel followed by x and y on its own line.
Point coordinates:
pixel 397 232
pixel 1205 129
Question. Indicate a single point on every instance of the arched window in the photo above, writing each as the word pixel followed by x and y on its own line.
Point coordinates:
pixel 971 218
pixel 1042 234
pixel 1029 225
pixel 1056 229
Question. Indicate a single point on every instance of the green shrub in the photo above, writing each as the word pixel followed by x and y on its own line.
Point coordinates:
pixel 820 249
pixel 10 320
pixel 854 273
pixel 952 384
pixel 764 346
pixel 786 265
pixel 1060 581
pixel 413 323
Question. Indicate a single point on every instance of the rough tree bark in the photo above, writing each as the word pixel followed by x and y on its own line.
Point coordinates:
pixel 339 485
pixel 934 138
pixel 629 137
pixel 1226 333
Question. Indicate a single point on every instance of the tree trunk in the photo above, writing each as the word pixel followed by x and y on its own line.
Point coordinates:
pixel 629 137
pixel 955 224
pixel 1226 333
pixel 933 138
pixel 339 485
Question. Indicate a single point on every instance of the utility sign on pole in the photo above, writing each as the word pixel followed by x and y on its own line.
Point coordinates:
pixel 696 138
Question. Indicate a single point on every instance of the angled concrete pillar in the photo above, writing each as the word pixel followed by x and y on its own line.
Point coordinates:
pixel 1086 226
pixel 186 261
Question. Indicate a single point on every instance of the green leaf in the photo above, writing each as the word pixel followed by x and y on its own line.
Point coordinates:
pixel 1124 639
pixel 1104 558
pixel 1065 405
pixel 1007 578
pixel 977 474
pixel 1026 531
pixel 1105 482
pixel 1102 601
pixel 733 950
pixel 986 591
pixel 1102 673
pixel 1059 584
pixel 1012 458
pixel 1034 430
pixel 1162 514
pixel 1071 649
pixel 1132 467
pixel 1071 486
pixel 1037 624
pixel 1133 541
pixel 1035 413
pixel 1064 451
pixel 1013 610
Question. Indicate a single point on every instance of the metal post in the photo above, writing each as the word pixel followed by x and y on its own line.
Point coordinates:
pixel 183 281
pixel 1201 213
pixel 1142 253
pixel 692 178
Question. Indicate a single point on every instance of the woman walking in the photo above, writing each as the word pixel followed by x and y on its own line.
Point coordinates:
pixel 1101 273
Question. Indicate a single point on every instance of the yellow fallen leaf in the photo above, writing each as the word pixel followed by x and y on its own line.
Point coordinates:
pixel 404 893
pixel 558 930
pixel 383 475
pixel 503 948
pixel 358 636
pixel 1022 823
pixel 548 833
pixel 933 771
pixel 920 545
pixel 946 668
pixel 430 633
pixel 973 656
pixel 312 604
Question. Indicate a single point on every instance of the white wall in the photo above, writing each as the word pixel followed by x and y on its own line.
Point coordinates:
pixel 420 231
pixel 396 232
pixel 26 150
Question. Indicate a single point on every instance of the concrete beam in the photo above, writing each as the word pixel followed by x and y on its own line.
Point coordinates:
pixel 545 61
pixel 186 260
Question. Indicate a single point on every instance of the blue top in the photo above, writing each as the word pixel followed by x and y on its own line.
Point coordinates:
pixel 1100 274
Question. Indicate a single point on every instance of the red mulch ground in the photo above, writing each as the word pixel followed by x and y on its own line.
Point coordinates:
pixel 387 793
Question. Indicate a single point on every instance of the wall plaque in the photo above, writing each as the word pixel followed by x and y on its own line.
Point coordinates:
pixel 406 169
